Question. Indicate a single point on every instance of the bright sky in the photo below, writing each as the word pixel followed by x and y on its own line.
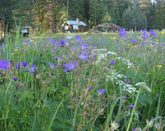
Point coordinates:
pixel 152 1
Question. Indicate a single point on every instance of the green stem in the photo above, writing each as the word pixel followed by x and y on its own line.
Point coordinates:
pixel 109 117
pixel 136 101
pixel 54 116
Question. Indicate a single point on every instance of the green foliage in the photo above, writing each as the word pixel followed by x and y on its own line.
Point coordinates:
pixel 133 18
pixel 48 16
pixel 132 75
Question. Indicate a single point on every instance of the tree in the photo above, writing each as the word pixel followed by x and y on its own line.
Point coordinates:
pixel 134 18
pixel 160 14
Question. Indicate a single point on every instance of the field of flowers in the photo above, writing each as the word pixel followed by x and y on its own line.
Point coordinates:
pixel 91 82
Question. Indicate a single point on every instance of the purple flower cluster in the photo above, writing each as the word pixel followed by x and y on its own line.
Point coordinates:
pixel 4 65
pixel 24 64
pixel 52 66
pixel 62 43
pixel 133 41
pixel 145 34
pixel 78 39
pixel 70 66
pixel 32 69
pixel 101 91
pixel 152 33
pixel 122 32
pixel 84 46
pixel 83 56
pixel 21 64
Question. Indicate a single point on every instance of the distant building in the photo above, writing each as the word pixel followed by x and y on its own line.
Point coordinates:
pixel 74 26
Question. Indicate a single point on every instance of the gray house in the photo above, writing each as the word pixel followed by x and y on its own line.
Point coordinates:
pixel 74 26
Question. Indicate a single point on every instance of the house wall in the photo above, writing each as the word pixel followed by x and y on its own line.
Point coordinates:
pixel 1 30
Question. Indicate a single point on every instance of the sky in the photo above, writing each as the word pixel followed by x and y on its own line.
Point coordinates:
pixel 152 1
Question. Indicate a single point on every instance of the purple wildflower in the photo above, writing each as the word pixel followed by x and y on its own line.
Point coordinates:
pixel 17 66
pixel 90 88
pixel 15 78
pixel 122 32
pixel 83 56
pixel 52 41
pixel 32 69
pixel 84 46
pixel 52 66
pixel 70 66
pixel 152 33
pixel 133 41
pixel 78 39
pixel 62 43
pixel 4 65
pixel 112 62
pixel 162 44
pixel 101 91
pixel 131 106
pixel 145 34
pixel 24 64
pixel 28 41
pixel 75 48
pixel 134 129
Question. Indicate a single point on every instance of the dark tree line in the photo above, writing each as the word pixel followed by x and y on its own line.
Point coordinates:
pixel 48 15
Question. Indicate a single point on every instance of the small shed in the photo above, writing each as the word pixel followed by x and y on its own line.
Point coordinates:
pixel 74 26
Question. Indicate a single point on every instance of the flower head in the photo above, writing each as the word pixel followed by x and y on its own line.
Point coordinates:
pixel 70 66
pixel 15 78
pixel 84 46
pixel 152 33
pixel 24 64
pixel 52 66
pixel 114 126
pixel 131 106
pixel 122 32
pixel 32 69
pixel 28 41
pixel 83 56
pixel 145 34
pixel 112 62
pixel 101 91
pixel 133 41
pixel 78 39
pixel 17 66
pixel 90 88
pixel 4 65
pixel 62 43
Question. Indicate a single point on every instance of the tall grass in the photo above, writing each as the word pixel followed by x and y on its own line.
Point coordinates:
pixel 92 82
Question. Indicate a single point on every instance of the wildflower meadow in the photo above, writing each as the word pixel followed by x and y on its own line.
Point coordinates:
pixel 83 82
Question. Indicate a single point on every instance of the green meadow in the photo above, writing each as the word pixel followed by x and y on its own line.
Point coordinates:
pixel 83 82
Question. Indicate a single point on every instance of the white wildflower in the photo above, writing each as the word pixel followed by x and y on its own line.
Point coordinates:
pixel 101 57
pixel 111 53
pixel 150 123
pixel 127 62
pixel 114 126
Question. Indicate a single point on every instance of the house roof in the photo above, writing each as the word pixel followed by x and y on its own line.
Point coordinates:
pixel 73 22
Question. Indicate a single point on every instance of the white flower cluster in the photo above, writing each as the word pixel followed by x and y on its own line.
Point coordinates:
pixel 101 57
pixel 111 53
pixel 117 79
pixel 102 54
pixel 127 62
